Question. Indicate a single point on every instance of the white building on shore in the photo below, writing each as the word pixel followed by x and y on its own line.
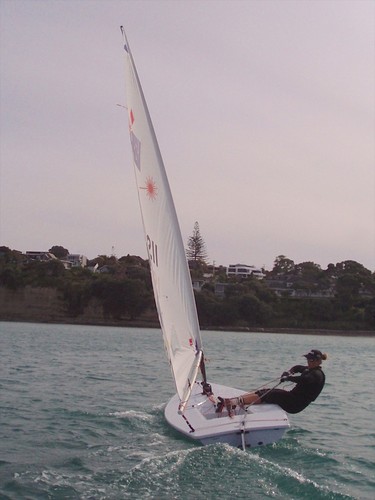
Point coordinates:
pixel 76 260
pixel 244 271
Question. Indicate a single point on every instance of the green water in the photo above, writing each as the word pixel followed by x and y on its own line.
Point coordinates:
pixel 82 417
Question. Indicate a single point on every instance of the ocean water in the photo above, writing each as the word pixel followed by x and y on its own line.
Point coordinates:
pixel 81 417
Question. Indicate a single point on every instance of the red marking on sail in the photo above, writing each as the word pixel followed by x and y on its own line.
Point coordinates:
pixel 151 188
pixel 131 117
pixel 191 342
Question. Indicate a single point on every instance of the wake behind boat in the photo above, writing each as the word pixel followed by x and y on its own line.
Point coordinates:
pixel 193 410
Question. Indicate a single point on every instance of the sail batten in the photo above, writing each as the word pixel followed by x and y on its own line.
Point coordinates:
pixel 170 274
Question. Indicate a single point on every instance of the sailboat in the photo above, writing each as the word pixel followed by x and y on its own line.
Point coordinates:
pixel 192 411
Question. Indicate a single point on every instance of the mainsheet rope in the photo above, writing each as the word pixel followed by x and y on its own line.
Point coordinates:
pixel 250 404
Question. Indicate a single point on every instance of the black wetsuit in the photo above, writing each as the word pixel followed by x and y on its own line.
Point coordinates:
pixel 308 387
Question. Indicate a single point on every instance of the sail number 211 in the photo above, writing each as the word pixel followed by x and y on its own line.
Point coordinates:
pixel 152 249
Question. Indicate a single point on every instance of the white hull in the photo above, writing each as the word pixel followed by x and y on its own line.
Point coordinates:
pixel 258 425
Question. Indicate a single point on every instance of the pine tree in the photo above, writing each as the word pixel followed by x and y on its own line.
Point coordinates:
pixel 196 250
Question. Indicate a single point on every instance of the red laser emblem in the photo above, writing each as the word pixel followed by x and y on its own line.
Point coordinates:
pixel 151 188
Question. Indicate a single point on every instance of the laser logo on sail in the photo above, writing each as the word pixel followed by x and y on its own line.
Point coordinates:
pixel 151 188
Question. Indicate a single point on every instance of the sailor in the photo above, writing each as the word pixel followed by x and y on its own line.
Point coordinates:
pixel 309 385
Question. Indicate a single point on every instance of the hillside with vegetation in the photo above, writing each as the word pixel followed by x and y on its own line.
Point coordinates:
pixel 119 291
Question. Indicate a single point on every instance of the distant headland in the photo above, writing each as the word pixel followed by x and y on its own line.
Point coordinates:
pixel 292 298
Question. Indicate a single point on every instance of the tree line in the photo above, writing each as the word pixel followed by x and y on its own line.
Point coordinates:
pixel 124 291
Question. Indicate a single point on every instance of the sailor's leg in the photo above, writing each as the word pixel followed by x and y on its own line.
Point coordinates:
pixel 250 398
pixel 245 400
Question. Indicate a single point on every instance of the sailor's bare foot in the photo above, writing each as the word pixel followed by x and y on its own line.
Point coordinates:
pixel 230 407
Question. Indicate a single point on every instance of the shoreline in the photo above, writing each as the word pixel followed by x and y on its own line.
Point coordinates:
pixel 302 331
pixel 156 325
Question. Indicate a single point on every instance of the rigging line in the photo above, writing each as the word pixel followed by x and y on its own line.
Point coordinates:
pixel 267 383
pixel 247 406
pixel 243 427
pixel 243 436
pixel 243 431
pixel 262 396
pixel 246 412
pixel 188 423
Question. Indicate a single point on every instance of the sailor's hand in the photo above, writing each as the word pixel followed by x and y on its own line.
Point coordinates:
pixel 284 376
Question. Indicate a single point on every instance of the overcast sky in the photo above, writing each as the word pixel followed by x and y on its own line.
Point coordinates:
pixel 264 112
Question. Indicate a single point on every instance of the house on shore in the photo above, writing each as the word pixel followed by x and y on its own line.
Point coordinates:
pixel 244 271
pixel 71 260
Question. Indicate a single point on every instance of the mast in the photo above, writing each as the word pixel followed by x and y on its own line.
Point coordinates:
pixel 170 273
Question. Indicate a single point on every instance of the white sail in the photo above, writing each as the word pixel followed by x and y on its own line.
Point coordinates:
pixel 201 419
pixel 169 270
